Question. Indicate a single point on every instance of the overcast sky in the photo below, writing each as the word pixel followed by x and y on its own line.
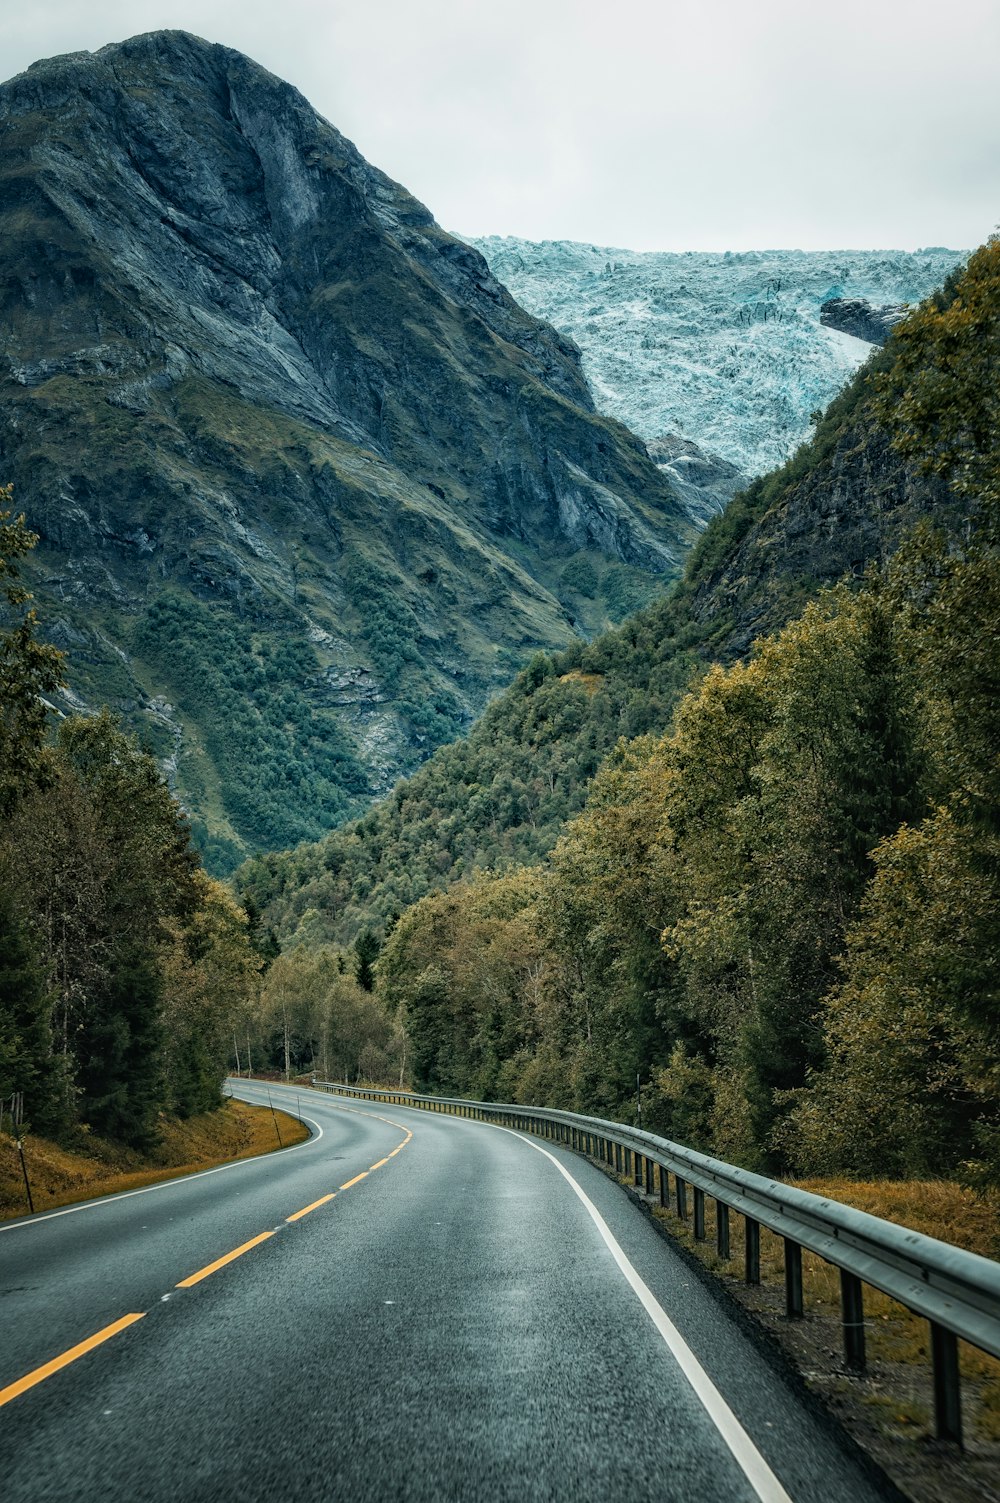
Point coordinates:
pixel 648 124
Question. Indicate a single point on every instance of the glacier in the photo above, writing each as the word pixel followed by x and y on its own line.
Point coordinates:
pixel 724 352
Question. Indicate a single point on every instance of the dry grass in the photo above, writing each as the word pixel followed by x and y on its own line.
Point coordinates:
pixel 60 1176
pixel 890 1408
pixel 590 682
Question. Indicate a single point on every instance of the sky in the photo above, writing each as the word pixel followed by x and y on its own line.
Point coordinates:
pixel 646 124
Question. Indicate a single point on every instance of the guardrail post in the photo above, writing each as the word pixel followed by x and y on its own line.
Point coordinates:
pixel 852 1317
pixel 794 1304
pixel 751 1274
pixel 649 1175
pixel 637 1164
pixel 682 1198
pixel 618 1158
pixel 722 1229
pixel 699 1215
pixel 947 1384
pixel 664 1185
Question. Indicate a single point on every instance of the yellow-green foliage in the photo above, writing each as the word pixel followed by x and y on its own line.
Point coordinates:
pixel 912 1070
pixel 466 972
pixel 316 1017
pixel 781 915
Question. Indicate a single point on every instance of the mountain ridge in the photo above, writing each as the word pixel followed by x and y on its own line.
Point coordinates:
pixel 501 797
pixel 259 406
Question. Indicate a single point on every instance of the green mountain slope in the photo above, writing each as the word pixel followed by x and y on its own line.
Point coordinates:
pixel 502 795
pixel 309 484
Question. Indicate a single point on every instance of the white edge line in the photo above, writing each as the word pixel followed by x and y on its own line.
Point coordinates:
pixel 750 1461
pixel 164 1184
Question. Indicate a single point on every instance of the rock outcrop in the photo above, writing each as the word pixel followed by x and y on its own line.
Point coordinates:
pixel 844 502
pixel 860 318
pixel 704 483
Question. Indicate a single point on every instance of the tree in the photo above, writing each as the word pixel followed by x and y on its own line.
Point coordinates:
pixel 29 669
pixel 25 1002
pixel 911 1079
pixel 322 1019
pixel 366 951
pixel 211 972
pixel 132 843
pixel 940 398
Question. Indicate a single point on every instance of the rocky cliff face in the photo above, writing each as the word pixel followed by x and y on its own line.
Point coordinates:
pixel 845 501
pixel 856 316
pixel 309 482
pixel 704 483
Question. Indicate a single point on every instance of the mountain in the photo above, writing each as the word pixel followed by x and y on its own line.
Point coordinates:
pixel 310 485
pixel 732 352
pixel 501 797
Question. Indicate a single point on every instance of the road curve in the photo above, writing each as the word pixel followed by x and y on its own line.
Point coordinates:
pixel 419 1307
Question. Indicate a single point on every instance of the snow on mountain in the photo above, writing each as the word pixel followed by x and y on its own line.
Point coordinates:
pixel 725 350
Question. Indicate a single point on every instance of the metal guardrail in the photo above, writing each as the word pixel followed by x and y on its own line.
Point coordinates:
pixel 957 1292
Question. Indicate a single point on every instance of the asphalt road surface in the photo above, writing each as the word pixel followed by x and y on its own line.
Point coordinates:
pixel 420 1307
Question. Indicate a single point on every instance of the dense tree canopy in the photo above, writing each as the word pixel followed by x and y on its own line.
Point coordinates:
pixel 782 914
pixel 29 669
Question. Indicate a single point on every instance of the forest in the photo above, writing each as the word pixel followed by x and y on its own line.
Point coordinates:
pixel 131 982
pixel 778 921
pixel 756 899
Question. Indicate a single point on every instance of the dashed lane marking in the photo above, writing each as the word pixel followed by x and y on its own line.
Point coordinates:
pixel 237 1252
pixel 48 1368
pixel 315 1205
pixel 39 1374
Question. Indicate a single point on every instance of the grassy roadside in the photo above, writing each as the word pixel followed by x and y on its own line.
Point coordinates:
pixel 60 1176
pixel 889 1408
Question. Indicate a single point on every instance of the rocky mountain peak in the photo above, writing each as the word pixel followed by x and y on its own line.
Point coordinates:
pixel 251 392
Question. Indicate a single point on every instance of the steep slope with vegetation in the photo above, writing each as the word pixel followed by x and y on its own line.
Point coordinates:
pixel 502 795
pixel 123 967
pixel 782 914
pixel 309 484
pixel 130 980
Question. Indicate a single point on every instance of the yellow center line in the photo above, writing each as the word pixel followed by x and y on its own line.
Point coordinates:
pixel 237 1252
pixel 306 1209
pixel 41 1373
pixel 47 1369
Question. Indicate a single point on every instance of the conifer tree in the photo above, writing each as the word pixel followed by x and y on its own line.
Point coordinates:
pixel 29 669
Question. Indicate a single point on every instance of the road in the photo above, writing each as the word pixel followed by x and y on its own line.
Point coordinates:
pixel 421 1307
